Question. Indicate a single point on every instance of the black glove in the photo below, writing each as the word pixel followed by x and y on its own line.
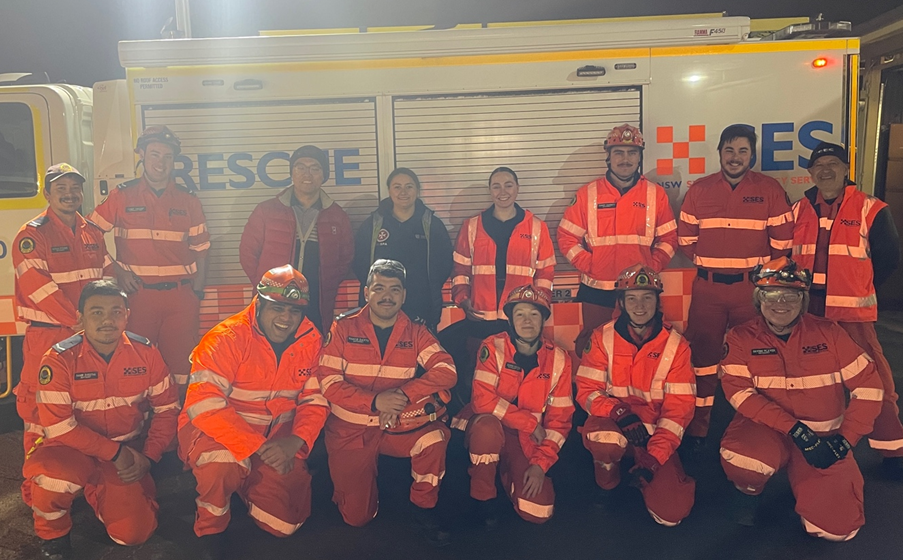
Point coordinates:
pixel 631 425
pixel 816 451
pixel 839 445
pixel 644 468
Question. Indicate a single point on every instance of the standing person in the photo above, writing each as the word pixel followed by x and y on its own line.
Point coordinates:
pixel 253 412
pixel 788 374
pixel 55 255
pixel 404 229
pixel 614 222
pixel 637 385
pixel 161 248
pixel 497 250
pixel 369 374
pixel 520 413
pixel 730 222
pixel 95 392
pixel 849 241
pixel 302 226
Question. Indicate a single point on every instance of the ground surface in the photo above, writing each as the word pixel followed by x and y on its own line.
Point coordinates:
pixel 577 531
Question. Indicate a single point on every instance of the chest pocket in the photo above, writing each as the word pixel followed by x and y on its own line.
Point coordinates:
pixel 534 392
pixel 179 219
pixel 510 384
pixel 87 386
pixel 132 380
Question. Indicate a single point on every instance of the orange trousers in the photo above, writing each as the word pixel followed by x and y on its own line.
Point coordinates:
pixel 887 434
pixel 171 320
pixel 493 448
pixel 714 308
pixel 668 498
pixel 278 504
pixel 828 501
pixel 354 451
pixel 58 473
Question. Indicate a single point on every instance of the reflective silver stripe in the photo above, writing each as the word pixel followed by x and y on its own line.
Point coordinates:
pixel 680 389
pixel 53 397
pixel 56 484
pixel 615 438
pixel 587 372
pixel 671 426
pixel 427 440
pixel 328 382
pixel 159 388
pixel 657 388
pixel 77 275
pixel 737 370
pixel 430 479
pixel 131 435
pixel 427 353
pixel 221 456
pixel 49 516
pixel 486 377
pixel 314 400
pixel 173 270
pixel 217 511
pixel 38 295
pixel 867 394
pixel 824 426
pixel 378 370
pixel 60 428
pixel 534 509
pixel 154 234
pixel 28 264
pixel 254 396
pixel 484 458
pixel 165 407
pixel 555 438
pixel 208 376
pixel 461 259
pixel 500 408
pixel 109 402
pixel 608 344
pixel 821 533
pixel 353 417
pixel 206 405
pixel 746 463
pixel 271 520
pixel 740 397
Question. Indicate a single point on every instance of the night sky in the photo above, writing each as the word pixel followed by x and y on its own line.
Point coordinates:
pixel 75 40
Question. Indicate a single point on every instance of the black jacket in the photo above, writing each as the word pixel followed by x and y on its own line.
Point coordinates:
pixel 428 267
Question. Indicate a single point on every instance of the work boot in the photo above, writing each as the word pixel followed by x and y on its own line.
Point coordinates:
pixel 59 548
pixel 487 513
pixel 431 526
pixel 893 468
pixel 692 452
pixel 746 507
pixel 214 547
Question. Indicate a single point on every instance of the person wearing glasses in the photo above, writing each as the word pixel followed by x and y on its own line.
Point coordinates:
pixel 787 373
pixel 302 226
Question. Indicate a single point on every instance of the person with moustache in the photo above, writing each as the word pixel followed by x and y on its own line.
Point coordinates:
pixel 381 372
pixel 612 223
pixel 730 222
pixel 161 248
pixel 849 241
pixel 253 412
pixel 805 394
pixel 304 227
pixel 95 392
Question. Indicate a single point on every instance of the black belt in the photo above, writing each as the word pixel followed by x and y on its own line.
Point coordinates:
pixel 41 325
pixel 723 278
pixel 166 285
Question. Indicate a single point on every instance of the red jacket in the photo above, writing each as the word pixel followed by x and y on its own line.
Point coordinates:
pixel 240 396
pixel 805 379
pixel 270 239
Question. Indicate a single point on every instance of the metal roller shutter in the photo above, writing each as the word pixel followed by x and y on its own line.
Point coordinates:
pixel 552 139
pixel 246 133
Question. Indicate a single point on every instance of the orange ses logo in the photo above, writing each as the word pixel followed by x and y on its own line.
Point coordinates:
pixel 680 150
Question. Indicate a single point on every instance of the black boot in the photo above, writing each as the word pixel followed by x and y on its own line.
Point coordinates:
pixel 214 547
pixel 431 526
pixel 59 548
pixel 893 468
pixel 487 513
pixel 746 507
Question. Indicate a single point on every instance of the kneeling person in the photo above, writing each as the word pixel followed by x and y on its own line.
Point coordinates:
pixel 520 410
pixel 637 385
pixel 377 369
pixel 253 411
pixel 94 390
pixel 787 372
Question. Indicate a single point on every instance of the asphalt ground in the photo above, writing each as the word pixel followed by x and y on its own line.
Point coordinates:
pixel 577 531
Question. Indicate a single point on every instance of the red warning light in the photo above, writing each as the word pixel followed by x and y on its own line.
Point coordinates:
pixel 820 62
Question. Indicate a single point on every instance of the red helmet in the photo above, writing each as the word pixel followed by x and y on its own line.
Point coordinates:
pixel 161 134
pixel 782 273
pixel 639 277
pixel 625 135
pixel 529 294
pixel 284 284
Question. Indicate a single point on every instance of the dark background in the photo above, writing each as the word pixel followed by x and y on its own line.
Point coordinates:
pixel 75 40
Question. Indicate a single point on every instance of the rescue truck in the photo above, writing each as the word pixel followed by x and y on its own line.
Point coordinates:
pixel 450 104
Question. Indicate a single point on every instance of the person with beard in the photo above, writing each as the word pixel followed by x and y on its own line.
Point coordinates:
pixel 612 223
pixel 520 412
pixel 637 385
pixel 404 229
pixel 849 241
pixel 730 222
pixel 805 394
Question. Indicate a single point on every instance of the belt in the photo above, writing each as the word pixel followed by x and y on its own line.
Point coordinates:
pixel 723 278
pixel 166 285
pixel 42 325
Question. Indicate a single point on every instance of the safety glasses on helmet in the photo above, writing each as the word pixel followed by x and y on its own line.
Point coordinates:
pixel 779 296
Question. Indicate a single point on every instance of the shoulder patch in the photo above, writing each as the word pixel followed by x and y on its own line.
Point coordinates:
pixel 328 339
pixel 45 376
pixel 484 353
pixel 725 350
pixel 26 245
pixel 127 184
pixel 573 201
pixel 138 338
pixel 39 221
pixel 90 223
pixel 589 344
pixel 68 343
pixel 347 314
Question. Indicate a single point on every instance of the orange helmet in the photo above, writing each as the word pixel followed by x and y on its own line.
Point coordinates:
pixel 782 273
pixel 639 277
pixel 529 294
pixel 284 284
pixel 625 135
pixel 161 134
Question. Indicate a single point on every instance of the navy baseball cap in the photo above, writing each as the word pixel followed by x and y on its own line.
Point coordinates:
pixel 54 172
pixel 828 149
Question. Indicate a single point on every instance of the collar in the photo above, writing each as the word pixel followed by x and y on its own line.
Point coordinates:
pixel 250 316
pixel 80 221
pixel 286 196
pixel 622 327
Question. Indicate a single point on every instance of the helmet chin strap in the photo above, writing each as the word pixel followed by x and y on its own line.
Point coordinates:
pixel 530 342
pixel 783 330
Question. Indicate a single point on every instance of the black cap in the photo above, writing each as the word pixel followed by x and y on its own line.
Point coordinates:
pixel 828 149
pixel 54 172
pixel 312 152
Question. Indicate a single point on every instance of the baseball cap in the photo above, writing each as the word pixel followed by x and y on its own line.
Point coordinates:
pixel 54 172
pixel 828 149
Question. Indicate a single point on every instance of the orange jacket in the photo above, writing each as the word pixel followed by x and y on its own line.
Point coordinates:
pixel 352 371
pixel 157 237
pixel 53 264
pixel 733 230
pixel 850 278
pixel 90 405
pixel 656 380
pixel 603 232
pixel 777 384
pixel 523 400
pixel 530 260
pixel 240 396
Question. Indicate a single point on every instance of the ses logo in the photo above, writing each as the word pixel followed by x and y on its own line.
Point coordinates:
pixel 774 151
pixel 214 169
